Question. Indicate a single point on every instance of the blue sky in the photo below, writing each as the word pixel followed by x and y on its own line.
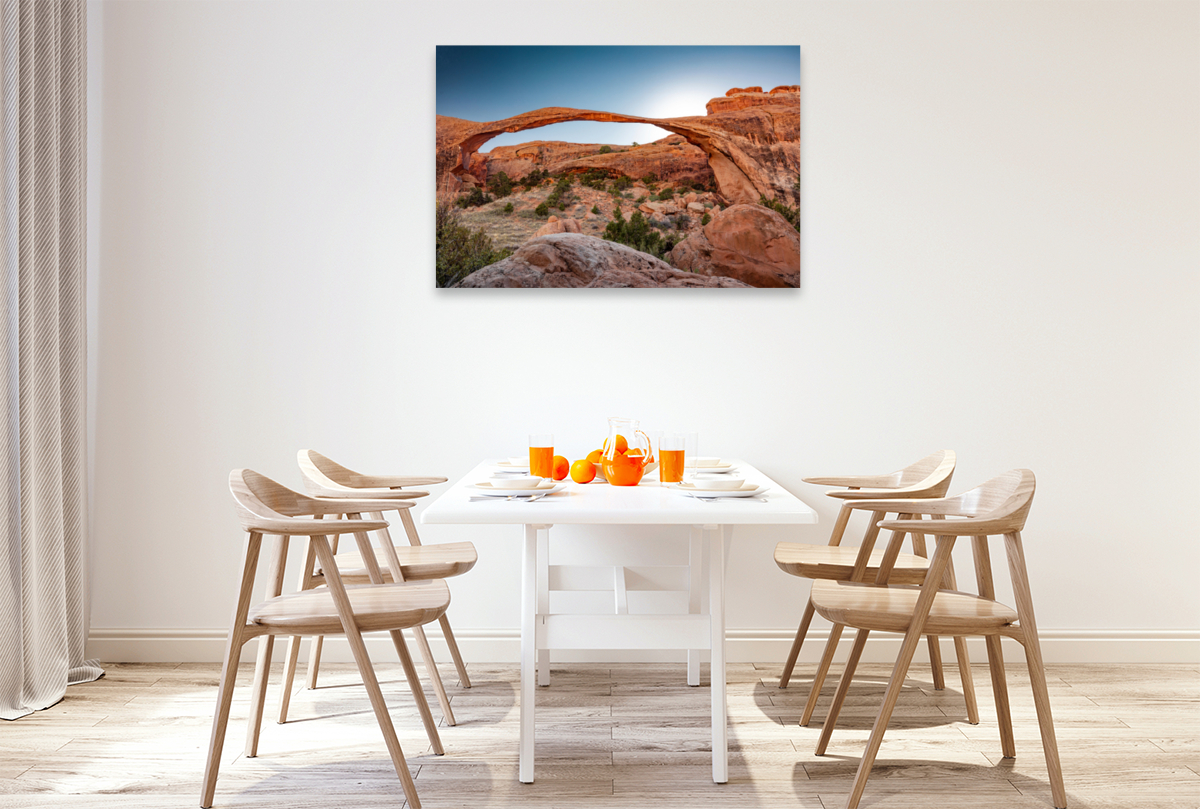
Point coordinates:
pixel 486 83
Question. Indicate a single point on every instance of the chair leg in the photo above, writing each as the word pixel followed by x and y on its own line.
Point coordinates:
pixel 1037 669
pixel 895 685
pixel 314 661
pixel 912 638
pixel 367 671
pixel 839 697
pixel 434 676
pixel 233 651
pixel 464 679
pixel 835 634
pixel 289 676
pixel 968 682
pixel 220 722
pixel 1008 742
pixel 262 666
pixel 935 662
pixel 790 663
pixel 414 684
pixel 258 693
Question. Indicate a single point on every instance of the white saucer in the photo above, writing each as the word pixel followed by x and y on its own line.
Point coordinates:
pixel 747 490
pixel 498 489
pixel 707 465
pixel 709 470
pixel 509 466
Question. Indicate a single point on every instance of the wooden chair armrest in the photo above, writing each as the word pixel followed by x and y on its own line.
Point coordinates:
pixel 879 494
pixel 949 528
pixel 370 494
pixel 855 481
pixel 915 505
pixel 349 505
pixel 308 528
pixel 398 481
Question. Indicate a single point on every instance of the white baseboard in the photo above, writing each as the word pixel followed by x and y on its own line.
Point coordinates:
pixel 742 646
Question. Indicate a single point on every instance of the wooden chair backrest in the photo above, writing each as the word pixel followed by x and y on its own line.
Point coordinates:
pixel 932 472
pixel 329 473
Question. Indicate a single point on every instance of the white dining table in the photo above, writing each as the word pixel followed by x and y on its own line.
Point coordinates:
pixel 597 503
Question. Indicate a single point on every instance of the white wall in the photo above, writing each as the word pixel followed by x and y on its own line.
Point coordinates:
pixel 1001 206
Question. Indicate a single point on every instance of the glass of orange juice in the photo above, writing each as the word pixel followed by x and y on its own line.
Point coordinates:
pixel 541 455
pixel 670 457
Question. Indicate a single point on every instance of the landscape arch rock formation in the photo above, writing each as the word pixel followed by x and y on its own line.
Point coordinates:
pixel 751 139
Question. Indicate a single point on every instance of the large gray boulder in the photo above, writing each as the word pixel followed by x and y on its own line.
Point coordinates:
pixel 574 260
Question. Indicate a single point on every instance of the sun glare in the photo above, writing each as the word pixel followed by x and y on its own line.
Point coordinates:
pixel 680 101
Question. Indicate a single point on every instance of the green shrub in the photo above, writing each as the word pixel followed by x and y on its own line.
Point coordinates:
pixel 596 210
pixel 559 196
pixel 681 222
pixel 500 185
pixel 650 178
pixel 792 215
pixel 460 250
pixel 473 199
pixel 666 193
pixel 605 149
pixel 533 179
pixel 508 208
pixel 594 178
pixel 640 199
pixel 542 210
pixel 704 220
pixel 636 233
pixel 622 183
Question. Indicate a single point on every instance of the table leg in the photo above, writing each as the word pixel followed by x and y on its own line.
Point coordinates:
pixel 529 562
pixel 695 563
pixel 543 599
pixel 716 608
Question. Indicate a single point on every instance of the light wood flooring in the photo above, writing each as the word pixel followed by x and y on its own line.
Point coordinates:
pixel 628 735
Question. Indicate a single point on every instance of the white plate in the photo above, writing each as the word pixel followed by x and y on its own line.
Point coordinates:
pixel 509 466
pixel 498 489
pixel 709 470
pixel 708 465
pixel 747 490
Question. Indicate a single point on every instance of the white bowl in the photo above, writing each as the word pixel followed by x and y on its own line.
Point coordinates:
pixel 518 482
pixel 722 483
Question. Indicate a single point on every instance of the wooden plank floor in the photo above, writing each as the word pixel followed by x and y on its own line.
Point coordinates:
pixel 626 735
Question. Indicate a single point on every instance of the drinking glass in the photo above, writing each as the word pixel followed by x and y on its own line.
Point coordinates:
pixel 671 455
pixel 541 455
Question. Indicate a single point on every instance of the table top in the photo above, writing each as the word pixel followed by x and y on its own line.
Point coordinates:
pixel 649 503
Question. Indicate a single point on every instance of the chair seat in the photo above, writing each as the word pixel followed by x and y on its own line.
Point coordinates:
pixel 889 608
pixel 376 607
pixel 837 563
pixel 417 562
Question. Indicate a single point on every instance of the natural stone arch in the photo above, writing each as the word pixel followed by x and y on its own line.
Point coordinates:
pixel 733 183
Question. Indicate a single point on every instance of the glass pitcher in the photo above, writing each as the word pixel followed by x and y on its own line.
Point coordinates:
pixel 628 453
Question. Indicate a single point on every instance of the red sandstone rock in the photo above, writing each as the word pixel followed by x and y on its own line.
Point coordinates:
pixel 556 225
pixel 751 140
pixel 747 242
pixel 573 260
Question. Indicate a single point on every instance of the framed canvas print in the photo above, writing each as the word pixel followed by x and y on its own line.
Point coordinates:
pixel 614 166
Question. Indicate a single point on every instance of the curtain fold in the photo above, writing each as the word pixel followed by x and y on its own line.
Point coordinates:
pixel 43 494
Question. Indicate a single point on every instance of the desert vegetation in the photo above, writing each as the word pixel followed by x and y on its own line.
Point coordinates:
pixel 460 250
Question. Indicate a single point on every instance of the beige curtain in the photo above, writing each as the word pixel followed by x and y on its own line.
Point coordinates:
pixel 43 571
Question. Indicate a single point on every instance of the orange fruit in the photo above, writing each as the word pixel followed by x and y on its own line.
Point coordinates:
pixel 622 444
pixel 634 451
pixel 595 455
pixel 623 470
pixel 583 471
pixel 559 467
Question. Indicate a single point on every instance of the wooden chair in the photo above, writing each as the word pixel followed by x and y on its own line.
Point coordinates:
pixel 406 563
pixel 998 507
pixel 264 507
pixel 928 477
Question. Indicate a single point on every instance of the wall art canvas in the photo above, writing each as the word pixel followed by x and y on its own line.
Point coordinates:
pixel 615 166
